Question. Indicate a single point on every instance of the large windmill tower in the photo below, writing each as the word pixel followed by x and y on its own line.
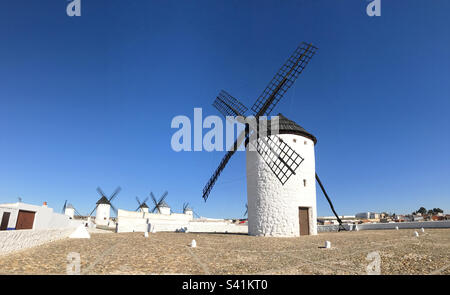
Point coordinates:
pixel 283 209
pixel 281 198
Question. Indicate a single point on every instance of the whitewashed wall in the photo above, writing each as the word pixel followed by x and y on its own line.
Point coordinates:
pixel 129 221
pixel 44 217
pixel 273 208
pixel 375 226
pixel 14 240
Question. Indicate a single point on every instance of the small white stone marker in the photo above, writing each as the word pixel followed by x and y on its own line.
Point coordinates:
pixel 327 244
pixel 146 234
pixel 396 227
pixel 193 244
pixel 416 234
pixel 356 228
pixel 422 229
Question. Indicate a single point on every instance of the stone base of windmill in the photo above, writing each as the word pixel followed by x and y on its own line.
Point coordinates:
pixel 282 210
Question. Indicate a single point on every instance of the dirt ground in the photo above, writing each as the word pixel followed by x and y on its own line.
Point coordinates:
pixel 397 251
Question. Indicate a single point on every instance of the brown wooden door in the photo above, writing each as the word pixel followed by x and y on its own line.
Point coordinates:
pixel 5 221
pixel 25 219
pixel 303 218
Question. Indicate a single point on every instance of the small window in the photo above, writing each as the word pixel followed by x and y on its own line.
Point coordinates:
pixel 305 142
pixel 304 182
pixel 294 140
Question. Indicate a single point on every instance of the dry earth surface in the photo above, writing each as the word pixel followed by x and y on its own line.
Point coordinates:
pixel 400 252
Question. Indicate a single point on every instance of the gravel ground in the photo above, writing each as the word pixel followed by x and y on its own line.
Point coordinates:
pixel 400 252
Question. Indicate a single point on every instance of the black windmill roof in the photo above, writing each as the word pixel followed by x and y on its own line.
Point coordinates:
pixel 143 205
pixel 163 204
pixel 103 200
pixel 290 127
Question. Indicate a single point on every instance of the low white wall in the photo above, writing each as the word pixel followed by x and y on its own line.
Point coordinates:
pixel 374 226
pixel 216 227
pixel 14 240
pixel 139 222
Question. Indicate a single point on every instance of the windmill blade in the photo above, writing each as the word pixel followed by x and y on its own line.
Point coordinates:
pixel 145 200
pixel 114 209
pixel 246 209
pixel 77 213
pixel 209 185
pixel 283 79
pixel 64 207
pixel 118 189
pixel 99 190
pixel 279 156
pixel 195 214
pixel 139 202
pixel 154 202
pixel 163 197
pixel 90 214
pixel 228 105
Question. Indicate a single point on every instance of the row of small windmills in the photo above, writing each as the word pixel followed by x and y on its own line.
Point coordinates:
pixel 104 206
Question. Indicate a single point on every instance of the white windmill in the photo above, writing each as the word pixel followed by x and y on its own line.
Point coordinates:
pixel 69 210
pixel 103 207
pixel 161 206
pixel 281 198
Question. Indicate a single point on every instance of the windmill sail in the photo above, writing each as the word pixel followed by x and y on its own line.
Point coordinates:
pixel 283 79
pixel 228 105
pixel 276 89
pixel 279 156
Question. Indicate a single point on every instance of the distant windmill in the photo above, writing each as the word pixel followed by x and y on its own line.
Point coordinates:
pixel 104 206
pixel 187 209
pixel 142 205
pixel 161 206
pixel 19 199
pixel 281 158
pixel 69 210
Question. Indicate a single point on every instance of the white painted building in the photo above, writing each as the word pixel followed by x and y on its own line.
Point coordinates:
pixel 287 210
pixel 19 216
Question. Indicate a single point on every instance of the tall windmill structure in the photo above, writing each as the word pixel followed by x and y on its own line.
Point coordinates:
pixel 281 198
pixel 69 210
pixel 104 206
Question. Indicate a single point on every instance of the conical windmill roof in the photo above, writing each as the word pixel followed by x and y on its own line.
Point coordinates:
pixel 290 127
pixel 143 205
pixel 164 204
pixel 103 200
pixel 69 206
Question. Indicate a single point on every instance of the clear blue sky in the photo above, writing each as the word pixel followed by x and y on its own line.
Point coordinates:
pixel 88 101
